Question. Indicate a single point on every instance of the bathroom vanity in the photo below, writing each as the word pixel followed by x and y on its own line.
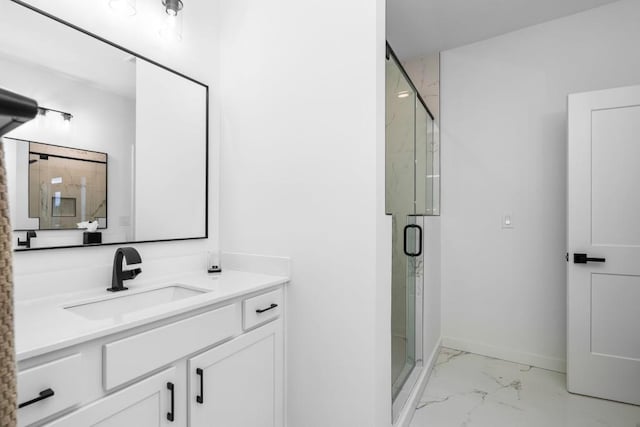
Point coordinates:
pixel 202 350
pixel 123 141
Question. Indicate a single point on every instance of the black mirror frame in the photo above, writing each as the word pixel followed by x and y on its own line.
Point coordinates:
pixel 130 52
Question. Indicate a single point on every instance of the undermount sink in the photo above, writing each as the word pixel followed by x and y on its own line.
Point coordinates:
pixel 129 303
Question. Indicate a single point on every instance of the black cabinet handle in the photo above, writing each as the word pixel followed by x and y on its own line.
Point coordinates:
pixel 271 307
pixel 584 258
pixel 44 394
pixel 171 414
pixel 200 397
pixel 406 252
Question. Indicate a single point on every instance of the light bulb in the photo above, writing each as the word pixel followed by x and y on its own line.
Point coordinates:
pixel 123 7
pixel 172 27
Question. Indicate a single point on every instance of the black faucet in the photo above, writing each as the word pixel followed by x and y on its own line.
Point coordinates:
pixel 133 257
pixel 27 243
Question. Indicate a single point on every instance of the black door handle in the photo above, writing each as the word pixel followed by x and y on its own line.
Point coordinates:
pixel 406 252
pixel 271 307
pixel 583 259
pixel 41 396
pixel 171 414
pixel 200 397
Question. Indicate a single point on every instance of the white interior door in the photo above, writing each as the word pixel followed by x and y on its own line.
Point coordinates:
pixel 603 294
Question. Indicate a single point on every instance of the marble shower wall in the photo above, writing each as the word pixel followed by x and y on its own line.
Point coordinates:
pixel 425 74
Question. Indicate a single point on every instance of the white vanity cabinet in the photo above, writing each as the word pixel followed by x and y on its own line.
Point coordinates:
pixel 240 383
pixel 148 403
pixel 51 387
pixel 218 366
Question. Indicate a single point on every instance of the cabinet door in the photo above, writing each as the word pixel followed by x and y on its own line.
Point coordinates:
pixel 144 404
pixel 240 383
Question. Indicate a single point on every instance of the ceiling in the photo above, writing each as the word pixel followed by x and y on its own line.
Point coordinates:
pixel 417 28
pixel 29 38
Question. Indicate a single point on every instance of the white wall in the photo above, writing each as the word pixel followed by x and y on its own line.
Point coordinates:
pixel 303 176
pixel 170 164
pixel 503 116
pixel 432 293
pixel 94 112
pixel 40 272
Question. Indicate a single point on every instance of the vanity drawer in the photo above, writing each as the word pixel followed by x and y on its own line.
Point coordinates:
pixel 131 357
pixel 65 378
pixel 262 308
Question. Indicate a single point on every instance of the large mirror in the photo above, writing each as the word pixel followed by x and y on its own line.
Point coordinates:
pixel 118 151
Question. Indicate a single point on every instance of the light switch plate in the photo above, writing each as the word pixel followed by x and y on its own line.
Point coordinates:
pixel 507 220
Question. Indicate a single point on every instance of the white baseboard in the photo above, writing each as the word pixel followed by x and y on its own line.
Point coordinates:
pixel 544 362
pixel 414 398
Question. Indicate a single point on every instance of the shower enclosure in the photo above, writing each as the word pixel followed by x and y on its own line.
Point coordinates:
pixel 412 190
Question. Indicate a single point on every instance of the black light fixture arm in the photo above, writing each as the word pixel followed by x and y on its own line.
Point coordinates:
pixel 44 110
pixel 15 110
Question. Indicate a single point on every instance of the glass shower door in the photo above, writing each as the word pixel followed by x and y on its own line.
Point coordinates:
pixel 400 203
pixel 409 197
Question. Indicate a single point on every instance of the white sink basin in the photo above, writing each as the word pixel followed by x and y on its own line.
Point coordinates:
pixel 129 303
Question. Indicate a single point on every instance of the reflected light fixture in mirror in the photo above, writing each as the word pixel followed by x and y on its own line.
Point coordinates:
pixel 123 7
pixel 57 120
pixel 43 111
pixel 172 26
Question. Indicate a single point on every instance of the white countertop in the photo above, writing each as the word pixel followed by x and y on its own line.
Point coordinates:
pixel 43 325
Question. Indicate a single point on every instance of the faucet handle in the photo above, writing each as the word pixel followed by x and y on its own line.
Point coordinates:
pixel 27 242
pixel 135 272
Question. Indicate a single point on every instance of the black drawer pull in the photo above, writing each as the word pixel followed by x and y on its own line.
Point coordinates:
pixel 271 307
pixel 200 397
pixel 171 414
pixel 584 258
pixel 41 396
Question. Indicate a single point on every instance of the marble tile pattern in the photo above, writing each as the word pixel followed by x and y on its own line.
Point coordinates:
pixel 425 74
pixel 468 390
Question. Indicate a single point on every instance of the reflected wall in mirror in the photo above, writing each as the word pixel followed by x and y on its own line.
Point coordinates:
pixel 148 121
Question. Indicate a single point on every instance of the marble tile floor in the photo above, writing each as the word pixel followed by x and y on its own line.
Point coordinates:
pixel 468 390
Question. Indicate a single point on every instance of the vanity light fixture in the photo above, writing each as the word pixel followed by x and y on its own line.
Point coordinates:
pixel 43 111
pixel 403 94
pixel 172 27
pixel 172 7
pixel 123 7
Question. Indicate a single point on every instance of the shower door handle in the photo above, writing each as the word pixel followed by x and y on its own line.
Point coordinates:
pixel 406 252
